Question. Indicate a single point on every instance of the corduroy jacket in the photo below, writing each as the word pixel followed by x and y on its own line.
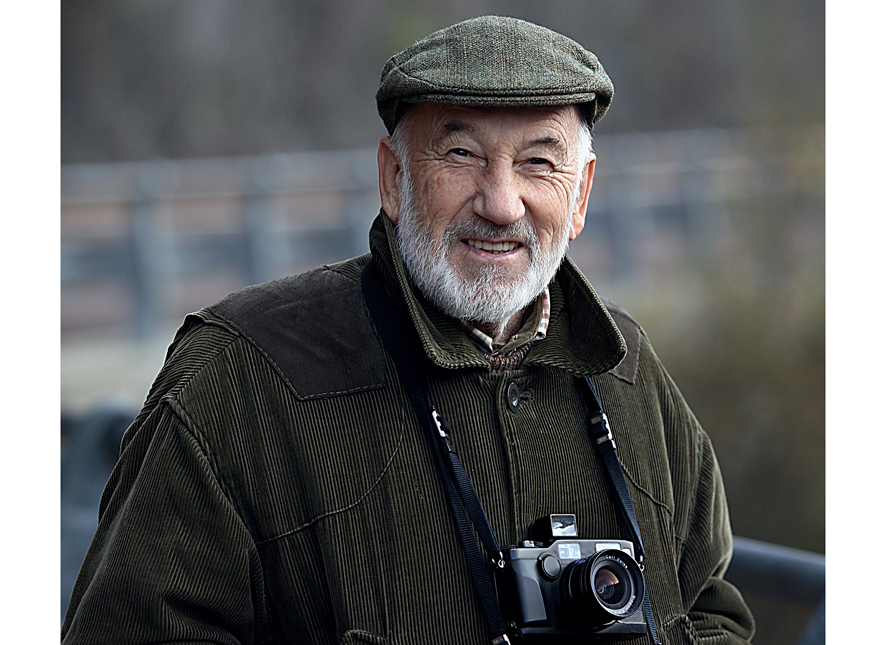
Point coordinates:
pixel 277 486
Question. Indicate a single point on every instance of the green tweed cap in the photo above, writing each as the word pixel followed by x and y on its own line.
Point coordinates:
pixel 494 61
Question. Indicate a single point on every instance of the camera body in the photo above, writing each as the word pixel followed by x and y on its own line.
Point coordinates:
pixel 566 586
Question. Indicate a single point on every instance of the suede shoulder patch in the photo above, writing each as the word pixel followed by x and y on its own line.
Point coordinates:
pixel 630 331
pixel 314 329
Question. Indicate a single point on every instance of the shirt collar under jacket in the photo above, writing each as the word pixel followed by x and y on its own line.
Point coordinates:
pixel 581 336
pixel 534 327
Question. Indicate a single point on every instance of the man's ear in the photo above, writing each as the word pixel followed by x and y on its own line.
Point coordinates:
pixel 581 204
pixel 389 179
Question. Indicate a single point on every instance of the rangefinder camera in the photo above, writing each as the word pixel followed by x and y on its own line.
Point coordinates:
pixel 556 584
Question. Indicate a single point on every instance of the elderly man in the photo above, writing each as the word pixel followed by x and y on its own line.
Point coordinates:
pixel 291 478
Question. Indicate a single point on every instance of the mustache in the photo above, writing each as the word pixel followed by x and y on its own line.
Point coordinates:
pixel 521 231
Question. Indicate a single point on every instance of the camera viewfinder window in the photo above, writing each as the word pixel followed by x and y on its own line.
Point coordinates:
pixel 569 550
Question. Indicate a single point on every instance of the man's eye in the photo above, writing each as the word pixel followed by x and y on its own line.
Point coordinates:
pixel 538 160
pixel 460 152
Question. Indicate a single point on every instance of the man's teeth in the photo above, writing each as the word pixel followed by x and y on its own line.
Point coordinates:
pixel 493 247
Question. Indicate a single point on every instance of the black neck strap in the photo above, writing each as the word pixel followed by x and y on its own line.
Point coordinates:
pixel 601 435
pixel 397 338
pixel 461 494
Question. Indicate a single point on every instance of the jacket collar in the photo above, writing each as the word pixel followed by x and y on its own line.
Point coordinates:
pixel 582 337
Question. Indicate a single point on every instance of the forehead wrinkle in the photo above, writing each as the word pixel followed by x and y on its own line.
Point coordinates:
pixel 440 127
pixel 456 125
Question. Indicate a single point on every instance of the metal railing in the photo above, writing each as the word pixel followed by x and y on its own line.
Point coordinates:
pixel 773 571
pixel 149 232
pixel 778 571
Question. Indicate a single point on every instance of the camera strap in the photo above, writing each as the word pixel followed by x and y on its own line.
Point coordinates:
pixel 459 490
pixel 601 435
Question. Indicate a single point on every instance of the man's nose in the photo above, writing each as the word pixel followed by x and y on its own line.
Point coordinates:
pixel 499 198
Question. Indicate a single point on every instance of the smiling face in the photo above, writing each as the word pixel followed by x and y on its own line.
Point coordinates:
pixel 486 203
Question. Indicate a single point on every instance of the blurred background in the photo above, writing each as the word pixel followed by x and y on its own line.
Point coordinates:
pixel 210 144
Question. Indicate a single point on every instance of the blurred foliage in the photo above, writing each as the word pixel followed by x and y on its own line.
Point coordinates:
pixel 217 77
pixel 745 343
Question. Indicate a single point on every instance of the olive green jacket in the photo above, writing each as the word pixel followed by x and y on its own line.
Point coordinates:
pixel 277 486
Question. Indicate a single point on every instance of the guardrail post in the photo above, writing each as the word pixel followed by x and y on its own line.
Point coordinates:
pixel 146 264
pixel 262 248
pixel 361 210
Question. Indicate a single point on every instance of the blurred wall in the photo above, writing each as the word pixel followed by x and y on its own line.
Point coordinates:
pixel 706 221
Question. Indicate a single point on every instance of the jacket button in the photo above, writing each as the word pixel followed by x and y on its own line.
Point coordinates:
pixel 513 397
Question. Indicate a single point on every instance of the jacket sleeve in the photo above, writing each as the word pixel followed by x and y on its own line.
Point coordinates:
pixel 171 560
pixel 716 611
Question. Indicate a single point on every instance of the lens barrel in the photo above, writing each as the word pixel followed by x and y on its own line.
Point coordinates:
pixel 605 587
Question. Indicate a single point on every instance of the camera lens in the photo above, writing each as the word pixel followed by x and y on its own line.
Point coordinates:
pixel 610 588
pixel 605 587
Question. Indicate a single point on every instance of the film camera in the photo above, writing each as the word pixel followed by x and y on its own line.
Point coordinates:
pixel 557 584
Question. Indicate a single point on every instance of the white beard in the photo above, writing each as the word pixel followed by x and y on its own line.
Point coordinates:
pixel 490 297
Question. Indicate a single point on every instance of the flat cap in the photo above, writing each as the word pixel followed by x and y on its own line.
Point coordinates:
pixel 494 61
